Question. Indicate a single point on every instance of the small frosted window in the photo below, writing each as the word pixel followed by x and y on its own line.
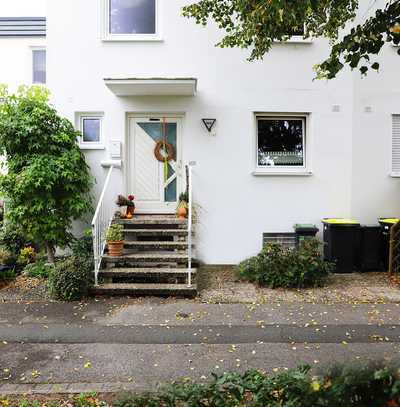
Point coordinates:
pixel 91 130
pixel 39 66
pixel 132 16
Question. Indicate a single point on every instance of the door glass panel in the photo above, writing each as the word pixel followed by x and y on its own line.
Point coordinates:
pixel 155 131
pixel 170 192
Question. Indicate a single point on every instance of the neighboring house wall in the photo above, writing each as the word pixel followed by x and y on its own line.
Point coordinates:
pixel 235 206
pixel 16 51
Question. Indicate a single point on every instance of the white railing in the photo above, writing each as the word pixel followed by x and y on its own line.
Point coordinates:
pixel 101 221
pixel 190 223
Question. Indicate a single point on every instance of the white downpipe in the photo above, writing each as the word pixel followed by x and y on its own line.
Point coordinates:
pixel 190 224
pixel 100 223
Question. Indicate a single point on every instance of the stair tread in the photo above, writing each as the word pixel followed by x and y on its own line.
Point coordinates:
pixel 154 243
pixel 139 288
pixel 145 270
pixel 149 220
pixel 157 231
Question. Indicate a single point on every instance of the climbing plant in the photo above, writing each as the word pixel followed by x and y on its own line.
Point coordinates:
pixel 47 182
pixel 256 24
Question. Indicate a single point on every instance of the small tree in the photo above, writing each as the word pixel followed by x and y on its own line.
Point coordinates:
pixel 48 181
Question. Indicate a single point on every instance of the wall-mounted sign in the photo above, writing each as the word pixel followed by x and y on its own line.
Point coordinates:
pixel 209 123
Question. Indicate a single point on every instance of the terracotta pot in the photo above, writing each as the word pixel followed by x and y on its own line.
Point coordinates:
pixel 130 210
pixel 182 212
pixel 115 249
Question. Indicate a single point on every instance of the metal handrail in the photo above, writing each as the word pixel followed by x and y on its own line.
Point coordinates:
pixel 190 223
pixel 102 219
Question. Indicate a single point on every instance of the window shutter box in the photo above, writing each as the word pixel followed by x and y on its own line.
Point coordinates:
pixel 396 145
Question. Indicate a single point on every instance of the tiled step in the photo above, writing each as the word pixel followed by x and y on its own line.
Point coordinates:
pixel 155 245
pixel 156 232
pixel 147 257
pixel 146 289
pixel 132 272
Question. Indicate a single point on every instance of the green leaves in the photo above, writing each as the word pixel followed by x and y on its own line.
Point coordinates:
pixel 256 24
pixel 276 266
pixel 48 180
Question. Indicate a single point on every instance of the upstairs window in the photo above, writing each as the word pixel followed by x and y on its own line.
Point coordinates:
pixel 131 20
pixel 39 66
pixel 281 142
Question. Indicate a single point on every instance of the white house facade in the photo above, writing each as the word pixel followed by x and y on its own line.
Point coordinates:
pixel 283 149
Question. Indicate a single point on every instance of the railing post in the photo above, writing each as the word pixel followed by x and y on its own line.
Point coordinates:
pixel 190 215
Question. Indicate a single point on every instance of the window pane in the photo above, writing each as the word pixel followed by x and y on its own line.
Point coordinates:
pixel 280 142
pixel 132 16
pixel 39 66
pixel 91 130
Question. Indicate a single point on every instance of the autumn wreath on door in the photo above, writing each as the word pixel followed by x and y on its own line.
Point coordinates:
pixel 164 151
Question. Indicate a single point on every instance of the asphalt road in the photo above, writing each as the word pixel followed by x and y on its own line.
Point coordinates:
pixel 115 345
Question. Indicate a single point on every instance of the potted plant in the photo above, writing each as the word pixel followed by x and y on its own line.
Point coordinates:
pixel 127 206
pixel 182 208
pixel 115 240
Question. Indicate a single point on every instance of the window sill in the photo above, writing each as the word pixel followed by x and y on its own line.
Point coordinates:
pixel 132 38
pixel 299 173
pixel 395 174
pixel 92 147
pixel 296 39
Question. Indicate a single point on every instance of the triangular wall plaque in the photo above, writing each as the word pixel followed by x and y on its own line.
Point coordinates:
pixel 209 123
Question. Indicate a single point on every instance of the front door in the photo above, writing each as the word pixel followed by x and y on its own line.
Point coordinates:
pixel 154 182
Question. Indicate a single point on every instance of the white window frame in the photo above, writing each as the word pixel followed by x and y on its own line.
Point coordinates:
pixel 33 49
pixel 90 145
pixel 107 36
pixel 303 170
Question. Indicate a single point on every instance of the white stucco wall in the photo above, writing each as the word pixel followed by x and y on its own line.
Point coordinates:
pixel 16 53
pixel 235 207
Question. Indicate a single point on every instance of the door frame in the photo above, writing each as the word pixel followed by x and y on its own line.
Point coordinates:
pixel 128 167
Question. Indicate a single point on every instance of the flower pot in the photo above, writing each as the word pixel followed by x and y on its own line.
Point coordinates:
pixel 130 211
pixel 115 249
pixel 123 210
pixel 182 212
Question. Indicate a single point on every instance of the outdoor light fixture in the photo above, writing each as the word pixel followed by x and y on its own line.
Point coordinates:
pixel 209 123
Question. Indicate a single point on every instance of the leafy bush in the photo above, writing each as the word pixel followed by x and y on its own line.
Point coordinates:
pixel 358 387
pixel 5 257
pixel 70 279
pixel 277 266
pixel 83 247
pixel 39 269
pixel 12 238
pixel 7 273
pixel 26 256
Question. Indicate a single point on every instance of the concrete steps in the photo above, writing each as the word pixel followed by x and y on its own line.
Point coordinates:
pixel 166 290
pixel 154 261
pixel 151 245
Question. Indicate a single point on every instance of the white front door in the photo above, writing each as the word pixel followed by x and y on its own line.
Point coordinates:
pixel 155 184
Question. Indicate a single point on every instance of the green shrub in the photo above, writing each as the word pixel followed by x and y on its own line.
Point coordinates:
pixel 277 266
pixel 7 274
pixel 12 238
pixel 82 247
pixel 70 279
pixel 5 256
pixel 26 256
pixel 359 386
pixel 40 269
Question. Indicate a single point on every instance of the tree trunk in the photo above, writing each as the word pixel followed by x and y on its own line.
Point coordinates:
pixel 50 253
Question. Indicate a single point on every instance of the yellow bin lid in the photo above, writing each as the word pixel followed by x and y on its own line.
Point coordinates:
pixel 389 220
pixel 340 221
